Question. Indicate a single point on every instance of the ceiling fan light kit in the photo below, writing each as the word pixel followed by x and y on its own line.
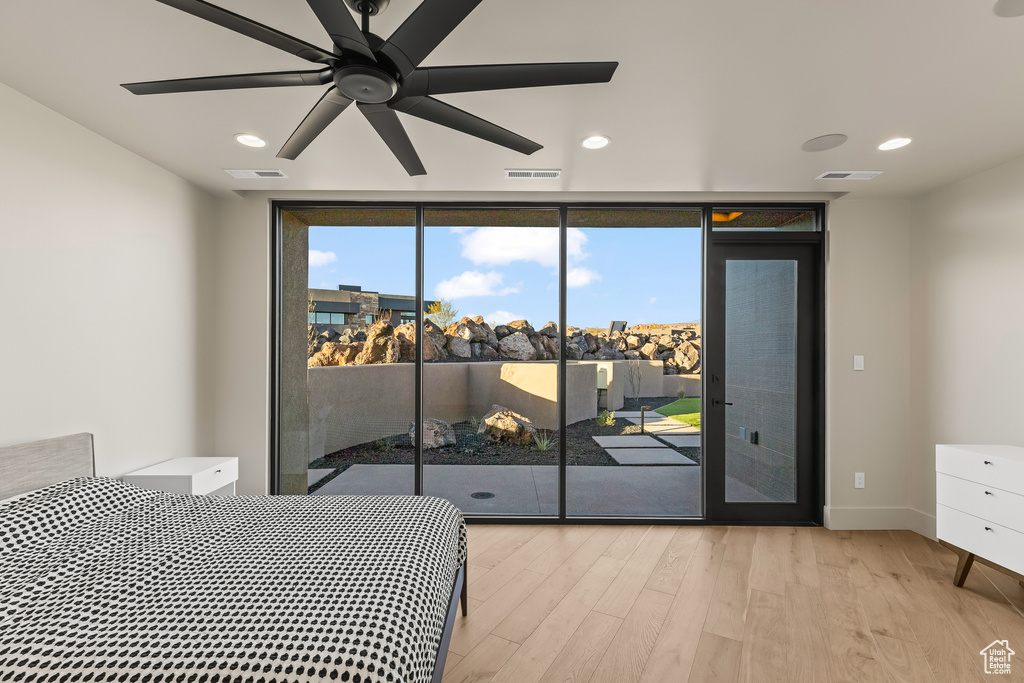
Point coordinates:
pixel 381 77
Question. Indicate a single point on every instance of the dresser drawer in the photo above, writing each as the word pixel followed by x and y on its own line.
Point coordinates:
pixel 986 539
pixel 998 466
pixel 985 502
pixel 213 478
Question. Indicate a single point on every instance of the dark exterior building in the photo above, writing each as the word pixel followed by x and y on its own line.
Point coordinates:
pixel 349 307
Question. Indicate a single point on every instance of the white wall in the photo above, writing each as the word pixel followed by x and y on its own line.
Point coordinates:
pixel 967 371
pixel 105 298
pixel 868 411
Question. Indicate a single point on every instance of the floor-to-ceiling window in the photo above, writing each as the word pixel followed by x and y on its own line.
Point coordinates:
pixel 633 292
pixel 533 361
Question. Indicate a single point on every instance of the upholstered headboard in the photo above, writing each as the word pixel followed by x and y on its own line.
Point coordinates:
pixel 37 464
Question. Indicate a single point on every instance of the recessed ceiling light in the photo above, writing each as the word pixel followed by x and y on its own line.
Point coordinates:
pixel 1009 8
pixel 895 143
pixel 824 142
pixel 595 142
pixel 250 140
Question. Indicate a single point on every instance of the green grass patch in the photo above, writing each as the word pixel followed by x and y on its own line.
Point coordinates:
pixel 685 410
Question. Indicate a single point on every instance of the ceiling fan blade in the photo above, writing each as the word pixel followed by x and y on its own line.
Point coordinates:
pixel 450 79
pixel 253 29
pixel 436 111
pixel 390 129
pixel 318 118
pixel 341 26
pixel 426 27
pixel 234 82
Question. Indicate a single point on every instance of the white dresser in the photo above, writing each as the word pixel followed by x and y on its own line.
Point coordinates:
pixel 979 491
pixel 196 476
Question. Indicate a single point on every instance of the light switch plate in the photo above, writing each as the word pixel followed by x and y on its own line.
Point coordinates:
pixel 858 362
pixel 858 480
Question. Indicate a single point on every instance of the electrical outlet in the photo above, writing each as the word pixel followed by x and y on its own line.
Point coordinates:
pixel 858 362
pixel 858 480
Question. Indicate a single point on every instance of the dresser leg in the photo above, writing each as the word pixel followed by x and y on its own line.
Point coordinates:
pixel 962 567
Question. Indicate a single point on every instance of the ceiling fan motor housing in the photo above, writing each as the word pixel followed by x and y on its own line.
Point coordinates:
pixel 371 7
pixel 365 83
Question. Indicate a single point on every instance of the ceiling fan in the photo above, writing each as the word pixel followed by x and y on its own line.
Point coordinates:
pixel 381 77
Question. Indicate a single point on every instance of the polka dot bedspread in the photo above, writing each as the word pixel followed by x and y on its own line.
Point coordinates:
pixel 104 581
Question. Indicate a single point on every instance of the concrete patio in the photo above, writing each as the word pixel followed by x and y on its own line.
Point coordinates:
pixel 664 491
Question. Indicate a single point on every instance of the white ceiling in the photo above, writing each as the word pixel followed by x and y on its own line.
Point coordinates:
pixel 710 95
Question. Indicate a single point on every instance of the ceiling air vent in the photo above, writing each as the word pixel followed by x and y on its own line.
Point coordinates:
pixel 849 175
pixel 533 173
pixel 252 173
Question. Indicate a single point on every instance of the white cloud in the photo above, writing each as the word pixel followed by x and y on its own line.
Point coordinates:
pixel 502 246
pixel 321 258
pixel 580 277
pixel 473 283
pixel 501 317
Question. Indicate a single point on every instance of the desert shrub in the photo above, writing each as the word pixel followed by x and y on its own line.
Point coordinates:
pixel 681 394
pixel 634 373
pixel 605 419
pixel 544 441
pixel 442 312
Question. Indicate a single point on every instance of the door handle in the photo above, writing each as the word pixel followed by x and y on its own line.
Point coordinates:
pixel 718 402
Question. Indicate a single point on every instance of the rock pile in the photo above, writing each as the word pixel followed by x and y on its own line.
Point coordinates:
pixel 473 339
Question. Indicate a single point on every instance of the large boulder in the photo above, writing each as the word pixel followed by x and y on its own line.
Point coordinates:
pixel 469 329
pixel 406 336
pixel 687 358
pixel 575 348
pixel 436 433
pixel 609 352
pixel 592 343
pixel 459 347
pixel 518 347
pixel 632 342
pixel 521 326
pixel 502 331
pixel 333 353
pixel 380 346
pixel 433 348
pixel 649 351
pixel 542 353
pixel 550 345
pixel 549 330
pixel 502 424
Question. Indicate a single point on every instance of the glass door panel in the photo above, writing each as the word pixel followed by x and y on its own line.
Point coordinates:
pixel 760 381
pixel 633 375
pixel 490 374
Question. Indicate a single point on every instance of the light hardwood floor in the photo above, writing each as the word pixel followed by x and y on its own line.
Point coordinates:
pixel 667 604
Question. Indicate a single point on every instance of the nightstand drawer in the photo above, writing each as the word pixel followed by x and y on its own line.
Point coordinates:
pixel 213 478
pixel 986 539
pixel 998 466
pixel 985 502
pixel 195 476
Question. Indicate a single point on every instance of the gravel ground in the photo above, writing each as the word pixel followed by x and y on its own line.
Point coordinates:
pixel 474 449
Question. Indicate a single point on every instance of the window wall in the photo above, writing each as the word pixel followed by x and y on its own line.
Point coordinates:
pixel 532 361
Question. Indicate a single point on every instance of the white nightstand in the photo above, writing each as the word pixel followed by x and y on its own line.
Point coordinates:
pixel 195 476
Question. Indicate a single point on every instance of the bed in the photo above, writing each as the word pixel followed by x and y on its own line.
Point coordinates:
pixel 103 581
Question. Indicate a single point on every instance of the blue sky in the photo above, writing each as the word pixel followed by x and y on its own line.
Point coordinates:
pixel 640 275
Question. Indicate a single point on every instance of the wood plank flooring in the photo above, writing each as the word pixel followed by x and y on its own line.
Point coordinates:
pixel 658 604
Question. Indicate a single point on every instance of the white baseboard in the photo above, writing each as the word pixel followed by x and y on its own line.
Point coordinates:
pixel 921 522
pixel 880 518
